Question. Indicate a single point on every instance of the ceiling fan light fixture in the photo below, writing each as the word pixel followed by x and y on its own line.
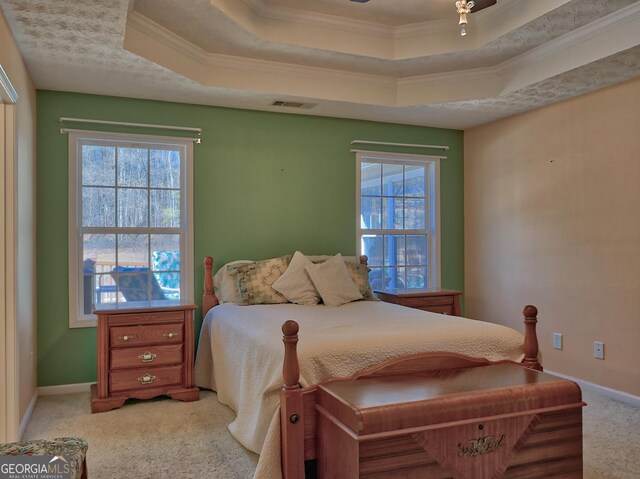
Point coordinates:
pixel 463 7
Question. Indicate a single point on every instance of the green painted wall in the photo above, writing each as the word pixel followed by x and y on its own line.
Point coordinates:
pixel 265 184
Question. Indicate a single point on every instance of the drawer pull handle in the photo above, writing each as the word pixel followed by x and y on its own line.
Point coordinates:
pixel 169 335
pixel 126 337
pixel 147 357
pixel 146 379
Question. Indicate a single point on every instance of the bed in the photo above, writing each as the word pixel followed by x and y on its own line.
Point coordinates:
pixel 241 357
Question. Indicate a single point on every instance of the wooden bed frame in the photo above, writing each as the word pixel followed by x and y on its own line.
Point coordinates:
pixel 298 405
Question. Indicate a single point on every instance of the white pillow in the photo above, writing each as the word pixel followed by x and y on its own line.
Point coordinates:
pixel 295 284
pixel 224 284
pixel 333 282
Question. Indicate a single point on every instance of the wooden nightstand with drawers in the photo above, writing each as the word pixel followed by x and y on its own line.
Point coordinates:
pixel 444 301
pixel 145 349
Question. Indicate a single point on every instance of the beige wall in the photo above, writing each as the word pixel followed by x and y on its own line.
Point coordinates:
pixel 552 218
pixel 24 197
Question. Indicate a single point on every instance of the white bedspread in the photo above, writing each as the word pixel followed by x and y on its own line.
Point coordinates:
pixel 240 355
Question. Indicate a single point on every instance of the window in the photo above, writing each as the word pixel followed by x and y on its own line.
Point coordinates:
pixel 129 221
pixel 398 219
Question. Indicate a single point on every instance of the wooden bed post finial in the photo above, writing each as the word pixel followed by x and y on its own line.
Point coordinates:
pixel 531 338
pixel 290 368
pixel 209 299
pixel 291 407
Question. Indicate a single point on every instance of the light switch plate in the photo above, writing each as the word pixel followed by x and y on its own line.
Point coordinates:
pixel 557 340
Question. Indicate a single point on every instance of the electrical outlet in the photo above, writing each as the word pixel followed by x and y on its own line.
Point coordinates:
pixel 557 340
pixel 598 350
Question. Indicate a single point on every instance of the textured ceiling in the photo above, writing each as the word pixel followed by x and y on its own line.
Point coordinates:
pixel 77 45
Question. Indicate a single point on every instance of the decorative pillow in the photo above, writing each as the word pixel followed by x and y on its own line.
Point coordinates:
pixel 224 284
pixel 253 281
pixel 332 281
pixel 295 284
pixel 359 274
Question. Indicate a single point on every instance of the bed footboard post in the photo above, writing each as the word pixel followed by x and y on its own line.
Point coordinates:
pixel 291 407
pixel 209 299
pixel 531 338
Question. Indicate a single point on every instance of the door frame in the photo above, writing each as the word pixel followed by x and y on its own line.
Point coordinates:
pixel 9 402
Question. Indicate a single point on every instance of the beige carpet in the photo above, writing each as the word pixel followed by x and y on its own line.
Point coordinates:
pixel 162 438
pixel 155 439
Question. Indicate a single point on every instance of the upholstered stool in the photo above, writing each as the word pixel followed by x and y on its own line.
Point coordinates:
pixel 72 449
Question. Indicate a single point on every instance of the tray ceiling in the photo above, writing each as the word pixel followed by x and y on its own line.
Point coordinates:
pixel 387 60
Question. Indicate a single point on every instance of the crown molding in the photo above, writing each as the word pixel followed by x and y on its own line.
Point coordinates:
pixel 142 24
pixel 486 21
pixel 446 77
pixel 602 26
pixel 280 24
pixel 322 20
pixel 145 25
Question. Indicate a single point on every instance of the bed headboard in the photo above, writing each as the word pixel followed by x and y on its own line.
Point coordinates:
pixel 209 299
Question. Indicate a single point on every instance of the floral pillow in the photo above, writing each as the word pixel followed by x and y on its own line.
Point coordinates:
pixel 253 281
pixel 359 274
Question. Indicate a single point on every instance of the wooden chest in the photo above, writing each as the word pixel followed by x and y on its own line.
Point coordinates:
pixel 144 350
pixel 487 422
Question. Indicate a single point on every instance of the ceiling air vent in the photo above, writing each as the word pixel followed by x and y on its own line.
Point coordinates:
pixel 293 104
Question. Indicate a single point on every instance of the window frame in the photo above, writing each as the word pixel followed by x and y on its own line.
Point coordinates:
pixel 77 317
pixel 432 209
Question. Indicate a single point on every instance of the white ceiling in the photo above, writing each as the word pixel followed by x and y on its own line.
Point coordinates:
pixel 388 60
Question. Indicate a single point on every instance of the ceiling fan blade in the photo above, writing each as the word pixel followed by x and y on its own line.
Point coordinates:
pixel 482 4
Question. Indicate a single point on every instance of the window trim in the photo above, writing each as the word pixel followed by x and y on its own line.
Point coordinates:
pixel 433 229
pixel 77 318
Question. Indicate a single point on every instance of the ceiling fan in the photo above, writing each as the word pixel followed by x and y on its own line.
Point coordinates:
pixel 464 7
pixel 479 4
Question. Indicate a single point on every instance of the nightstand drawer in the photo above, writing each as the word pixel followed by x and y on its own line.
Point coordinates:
pixel 441 309
pixel 148 334
pixel 141 318
pixel 146 356
pixel 143 378
pixel 421 302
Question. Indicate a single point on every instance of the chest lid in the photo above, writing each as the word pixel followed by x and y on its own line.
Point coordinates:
pixel 387 403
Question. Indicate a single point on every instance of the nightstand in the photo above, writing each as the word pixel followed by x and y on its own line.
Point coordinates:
pixel 444 301
pixel 145 349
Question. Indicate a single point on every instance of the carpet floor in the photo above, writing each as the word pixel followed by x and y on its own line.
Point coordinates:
pixel 162 438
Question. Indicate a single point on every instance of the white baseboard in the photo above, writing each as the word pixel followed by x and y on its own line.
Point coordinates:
pixel 64 389
pixel 605 391
pixel 27 415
